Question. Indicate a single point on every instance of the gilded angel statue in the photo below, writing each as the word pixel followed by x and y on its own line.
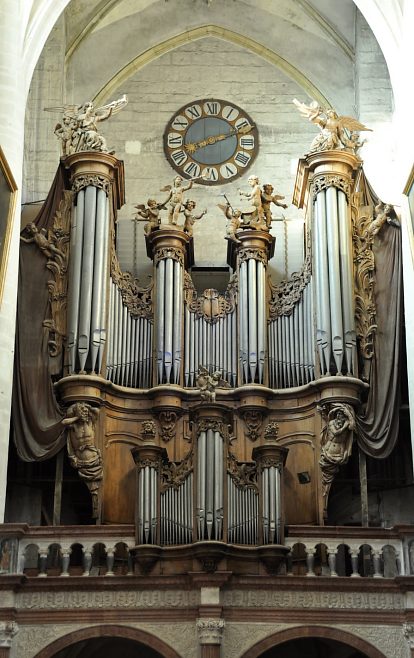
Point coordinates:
pixel 336 132
pixel 79 130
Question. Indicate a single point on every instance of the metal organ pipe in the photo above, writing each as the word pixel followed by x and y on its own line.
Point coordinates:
pixel 334 277
pixel 347 279
pixel 209 496
pixel 290 338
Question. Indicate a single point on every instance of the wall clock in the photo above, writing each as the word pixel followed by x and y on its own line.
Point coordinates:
pixel 212 139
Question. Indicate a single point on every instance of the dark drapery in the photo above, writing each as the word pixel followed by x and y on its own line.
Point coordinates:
pixel 37 416
pixel 378 423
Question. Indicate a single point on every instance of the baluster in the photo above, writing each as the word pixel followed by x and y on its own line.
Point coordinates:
pixel 376 555
pixel 110 557
pixel 310 560
pixel 130 571
pixel 66 553
pixel 354 561
pixel 332 552
pixel 42 563
pixel 87 561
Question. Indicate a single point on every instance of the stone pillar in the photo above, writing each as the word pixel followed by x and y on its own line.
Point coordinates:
pixel 12 110
pixel 210 633
pixel 8 629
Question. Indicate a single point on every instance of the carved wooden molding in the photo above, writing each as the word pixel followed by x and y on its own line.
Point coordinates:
pixel 138 299
pixel 287 293
pixel 248 253
pixel 211 306
pixel 214 424
pixel 322 182
pixel 85 180
pixel 365 309
pixel 167 420
pixel 169 252
pixel 253 420
pixel 148 430
pixel 54 244
pixel 173 475
pixel 244 475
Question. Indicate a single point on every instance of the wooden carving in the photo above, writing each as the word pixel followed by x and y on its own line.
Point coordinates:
pixel 210 305
pixel 138 299
pixel 54 244
pixel 287 293
pixel 83 454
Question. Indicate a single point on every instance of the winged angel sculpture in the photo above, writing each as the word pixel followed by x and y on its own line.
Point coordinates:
pixel 78 130
pixel 336 132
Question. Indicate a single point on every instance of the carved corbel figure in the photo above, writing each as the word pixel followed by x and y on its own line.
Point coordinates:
pixel 336 443
pixel 234 221
pixel 83 454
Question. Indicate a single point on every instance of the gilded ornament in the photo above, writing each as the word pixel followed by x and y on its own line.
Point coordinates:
pixel 336 132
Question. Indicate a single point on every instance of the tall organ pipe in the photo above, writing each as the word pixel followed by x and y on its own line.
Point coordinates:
pixel 75 267
pixel 87 275
pixel 335 291
pixel 98 290
pixel 346 267
pixel 322 276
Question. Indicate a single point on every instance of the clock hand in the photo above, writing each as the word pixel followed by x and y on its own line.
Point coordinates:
pixel 191 147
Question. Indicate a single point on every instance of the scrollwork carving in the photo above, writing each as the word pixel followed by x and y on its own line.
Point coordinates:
pixel 244 475
pixel 271 431
pixel 169 252
pixel 248 253
pixel 215 424
pixel 253 419
pixel 84 180
pixel 148 430
pixel 286 294
pixel 167 421
pixel 138 299
pixel 173 475
pixel 365 228
pixel 54 244
pixel 324 181
pixel 148 462
pixel 211 306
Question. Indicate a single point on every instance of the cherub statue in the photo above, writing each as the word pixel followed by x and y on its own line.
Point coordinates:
pixel 190 218
pixel 234 220
pixel 78 130
pixel 382 213
pixel 207 384
pixel 175 198
pixel 336 131
pixel 255 198
pixel 43 242
pixel 336 444
pixel 268 198
pixel 150 213
pixel 83 453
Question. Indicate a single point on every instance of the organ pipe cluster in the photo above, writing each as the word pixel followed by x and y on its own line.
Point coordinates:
pixel 335 317
pixel 88 276
pixel 169 296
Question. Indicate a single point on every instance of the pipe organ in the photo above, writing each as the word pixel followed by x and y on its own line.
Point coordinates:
pixel 213 454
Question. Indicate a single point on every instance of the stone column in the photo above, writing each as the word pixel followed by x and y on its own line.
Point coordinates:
pixel 8 629
pixel 12 109
pixel 210 633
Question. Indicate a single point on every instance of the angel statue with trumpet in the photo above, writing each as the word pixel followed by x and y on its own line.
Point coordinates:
pixel 336 132
pixel 79 131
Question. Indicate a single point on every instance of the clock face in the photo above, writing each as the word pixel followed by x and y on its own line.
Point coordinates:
pixel 212 140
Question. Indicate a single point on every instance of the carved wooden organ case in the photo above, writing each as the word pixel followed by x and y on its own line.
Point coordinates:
pixel 235 466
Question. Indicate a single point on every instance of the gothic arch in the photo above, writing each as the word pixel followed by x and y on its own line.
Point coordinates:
pixel 108 630
pixel 300 632
pixel 199 33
